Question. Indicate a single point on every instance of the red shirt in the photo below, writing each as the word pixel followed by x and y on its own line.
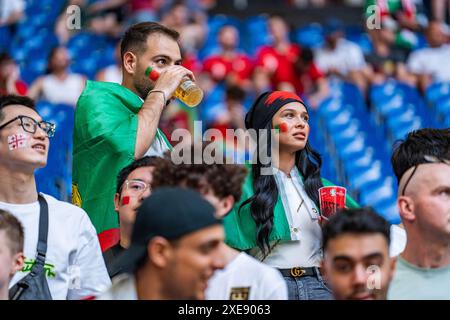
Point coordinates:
pixel 282 67
pixel 220 67
pixel 191 63
pixel 21 88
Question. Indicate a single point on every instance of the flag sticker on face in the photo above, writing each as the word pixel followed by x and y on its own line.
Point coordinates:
pixel 17 141
pixel 125 200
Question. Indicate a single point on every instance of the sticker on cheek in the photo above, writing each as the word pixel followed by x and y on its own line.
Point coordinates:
pixel 125 200
pixel 17 141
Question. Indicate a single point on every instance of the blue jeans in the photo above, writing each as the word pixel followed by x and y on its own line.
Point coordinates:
pixel 308 288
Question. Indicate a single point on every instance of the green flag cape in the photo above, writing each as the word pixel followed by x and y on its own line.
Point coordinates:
pixel 240 227
pixel 104 141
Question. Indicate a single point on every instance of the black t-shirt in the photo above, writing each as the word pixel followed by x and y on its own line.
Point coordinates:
pixel 110 256
pixel 387 64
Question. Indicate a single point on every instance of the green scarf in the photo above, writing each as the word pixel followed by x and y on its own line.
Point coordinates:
pixel 240 228
pixel 104 141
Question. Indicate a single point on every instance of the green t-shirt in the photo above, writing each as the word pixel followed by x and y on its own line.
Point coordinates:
pixel 413 283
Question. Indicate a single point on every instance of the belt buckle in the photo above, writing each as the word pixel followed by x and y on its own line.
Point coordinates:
pixel 297 272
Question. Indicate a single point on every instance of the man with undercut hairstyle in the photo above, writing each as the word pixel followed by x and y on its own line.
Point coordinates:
pixel 422 166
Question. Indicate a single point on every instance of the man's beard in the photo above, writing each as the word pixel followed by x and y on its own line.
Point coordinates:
pixel 143 87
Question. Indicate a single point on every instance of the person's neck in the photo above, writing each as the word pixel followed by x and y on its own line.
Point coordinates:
pixel 281 45
pixel 228 53
pixel 427 253
pixel 4 293
pixel 285 161
pixel 61 74
pixel 382 49
pixel 17 188
pixel 128 83
pixel 230 254
pixel 148 285
pixel 125 232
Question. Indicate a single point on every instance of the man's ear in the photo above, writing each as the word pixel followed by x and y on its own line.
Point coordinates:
pixel 17 263
pixel 160 252
pixel 406 208
pixel 227 204
pixel 130 62
pixel 116 202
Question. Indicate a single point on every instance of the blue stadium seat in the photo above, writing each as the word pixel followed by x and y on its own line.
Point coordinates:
pixel 310 36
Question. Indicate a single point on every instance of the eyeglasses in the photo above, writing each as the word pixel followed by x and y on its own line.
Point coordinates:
pixel 136 187
pixel 428 159
pixel 30 125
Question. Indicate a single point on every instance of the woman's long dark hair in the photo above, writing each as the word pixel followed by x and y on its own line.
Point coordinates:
pixel 265 196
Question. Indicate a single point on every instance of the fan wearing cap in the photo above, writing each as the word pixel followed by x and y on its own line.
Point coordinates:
pixel 176 246
pixel 243 278
pixel 278 219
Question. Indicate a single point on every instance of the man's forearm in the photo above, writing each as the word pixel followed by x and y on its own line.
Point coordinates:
pixel 148 120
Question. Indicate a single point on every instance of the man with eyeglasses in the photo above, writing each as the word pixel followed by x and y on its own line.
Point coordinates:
pixel 73 265
pixel 422 166
pixel 133 186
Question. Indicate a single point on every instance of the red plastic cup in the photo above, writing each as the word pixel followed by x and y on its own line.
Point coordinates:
pixel 331 200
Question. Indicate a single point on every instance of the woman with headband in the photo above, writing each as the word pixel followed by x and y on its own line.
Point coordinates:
pixel 278 219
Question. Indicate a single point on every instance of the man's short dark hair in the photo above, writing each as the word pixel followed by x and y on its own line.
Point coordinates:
pixel 13 230
pixel 418 144
pixel 14 99
pixel 135 38
pixel 356 221
pixel 222 179
pixel 146 161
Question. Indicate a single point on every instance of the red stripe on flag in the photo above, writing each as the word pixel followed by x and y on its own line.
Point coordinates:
pixel 109 238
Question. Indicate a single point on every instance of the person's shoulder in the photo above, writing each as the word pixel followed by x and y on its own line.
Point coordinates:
pixel 123 288
pixel 101 87
pixel 64 209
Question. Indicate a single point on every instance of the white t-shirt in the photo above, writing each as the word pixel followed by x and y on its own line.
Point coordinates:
pixel 74 264
pixel 346 57
pixel 398 240
pixel 431 61
pixel 305 249
pixel 8 7
pixel 248 278
pixel 123 288
pixel 66 91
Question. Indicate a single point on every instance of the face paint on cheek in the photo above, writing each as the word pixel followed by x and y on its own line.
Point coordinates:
pixel 18 141
pixel 125 200
pixel 282 127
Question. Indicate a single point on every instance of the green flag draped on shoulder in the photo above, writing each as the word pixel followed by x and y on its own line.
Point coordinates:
pixel 240 227
pixel 104 142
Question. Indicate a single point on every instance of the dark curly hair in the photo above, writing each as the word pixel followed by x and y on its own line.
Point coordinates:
pixel 223 179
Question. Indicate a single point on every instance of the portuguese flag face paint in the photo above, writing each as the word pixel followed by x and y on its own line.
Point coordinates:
pixel 152 74
pixel 282 127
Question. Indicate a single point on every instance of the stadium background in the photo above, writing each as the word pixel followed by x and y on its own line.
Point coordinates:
pixel 353 132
